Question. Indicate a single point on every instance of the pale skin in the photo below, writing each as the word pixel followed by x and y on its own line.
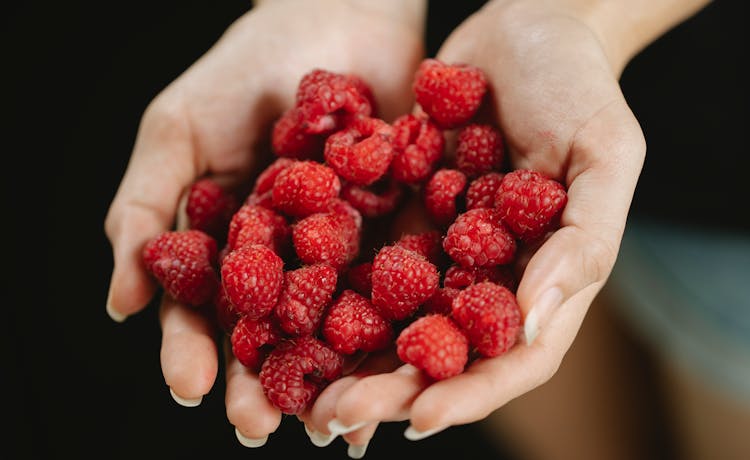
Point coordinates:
pixel 554 69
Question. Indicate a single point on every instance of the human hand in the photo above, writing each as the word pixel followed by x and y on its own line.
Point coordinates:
pixel 212 121
pixel 556 98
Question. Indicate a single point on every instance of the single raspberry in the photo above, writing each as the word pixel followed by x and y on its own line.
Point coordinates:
pixel 418 145
pixel 490 317
pixel 343 208
pixel 362 153
pixel 427 243
pixel 375 201
pixel 289 137
pixel 326 238
pixel 530 203
pixel 434 344
pixel 252 276
pixel 462 277
pixel 226 315
pixel 253 224
pixel 265 180
pixel 353 323
pixel 441 302
pixel 306 293
pixel 477 238
pixel 326 98
pixel 442 193
pixel 449 94
pixel 183 264
pixel 296 371
pixel 366 91
pixel 482 190
pixel 359 278
pixel 252 339
pixel 264 200
pixel 209 208
pixel 479 150
pixel 401 281
pixel 304 188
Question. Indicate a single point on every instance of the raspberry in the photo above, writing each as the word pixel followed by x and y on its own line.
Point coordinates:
pixel 326 98
pixel 343 208
pixel 304 188
pixel 264 200
pixel 359 278
pixel 482 190
pixel 361 153
pixel 478 239
pixel 418 144
pixel 226 314
pixel 252 339
pixel 289 137
pixel 183 264
pixel 401 281
pixel 434 344
pixel 490 317
pixel 307 292
pixel 253 224
pixel 426 243
pixel 441 194
pixel 326 238
pixel 209 208
pixel 374 201
pixel 479 150
pixel 353 323
pixel 296 371
pixel 462 277
pixel 530 203
pixel 449 94
pixel 264 181
pixel 441 302
pixel 252 276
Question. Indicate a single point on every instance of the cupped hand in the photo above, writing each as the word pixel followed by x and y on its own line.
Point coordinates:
pixel 212 121
pixel 555 96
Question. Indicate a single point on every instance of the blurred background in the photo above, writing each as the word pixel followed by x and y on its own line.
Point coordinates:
pixel 78 77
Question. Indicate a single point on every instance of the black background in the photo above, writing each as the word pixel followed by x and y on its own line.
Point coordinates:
pixel 77 77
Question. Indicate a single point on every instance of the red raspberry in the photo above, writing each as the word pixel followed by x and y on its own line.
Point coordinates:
pixel 419 145
pixel 209 208
pixel 374 201
pixel 364 89
pixel 490 317
pixel 530 203
pixel 253 224
pixel 353 323
pixel 462 277
pixel 252 339
pixel 264 181
pixel 359 278
pixel 344 209
pixel 442 193
pixel 296 371
pixel 449 94
pixel 479 150
pixel 226 315
pixel 434 344
pixel 326 98
pixel 183 264
pixel 441 302
pixel 290 138
pixel 478 239
pixel 482 190
pixel 307 292
pixel 401 281
pixel 326 238
pixel 428 244
pixel 361 153
pixel 264 200
pixel 304 188
pixel 252 276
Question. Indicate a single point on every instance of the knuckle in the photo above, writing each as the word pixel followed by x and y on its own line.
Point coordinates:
pixel 165 116
pixel 597 259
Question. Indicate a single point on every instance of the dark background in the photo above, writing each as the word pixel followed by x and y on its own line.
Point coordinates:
pixel 78 76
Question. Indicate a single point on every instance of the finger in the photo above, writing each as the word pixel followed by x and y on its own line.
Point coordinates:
pixel 189 357
pixel 606 158
pixel 248 408
pixel 488 384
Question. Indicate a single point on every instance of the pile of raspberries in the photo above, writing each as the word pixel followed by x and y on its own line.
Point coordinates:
pixel 298 272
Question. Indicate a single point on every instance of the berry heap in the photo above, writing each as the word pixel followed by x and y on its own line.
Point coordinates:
pixel 298 274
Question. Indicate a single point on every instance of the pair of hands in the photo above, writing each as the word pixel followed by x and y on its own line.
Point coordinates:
pixel 557 100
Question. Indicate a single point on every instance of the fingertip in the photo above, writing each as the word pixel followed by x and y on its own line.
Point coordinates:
pixel 115 315
pixel 185 402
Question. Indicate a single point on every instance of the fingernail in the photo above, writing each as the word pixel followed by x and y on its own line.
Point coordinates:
pixel 337 428
pixel 185 401
pixel 114 314
pixel 357 451
pixel 319 439
pixel 540 313
pixel 413 434
pixel 249 442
